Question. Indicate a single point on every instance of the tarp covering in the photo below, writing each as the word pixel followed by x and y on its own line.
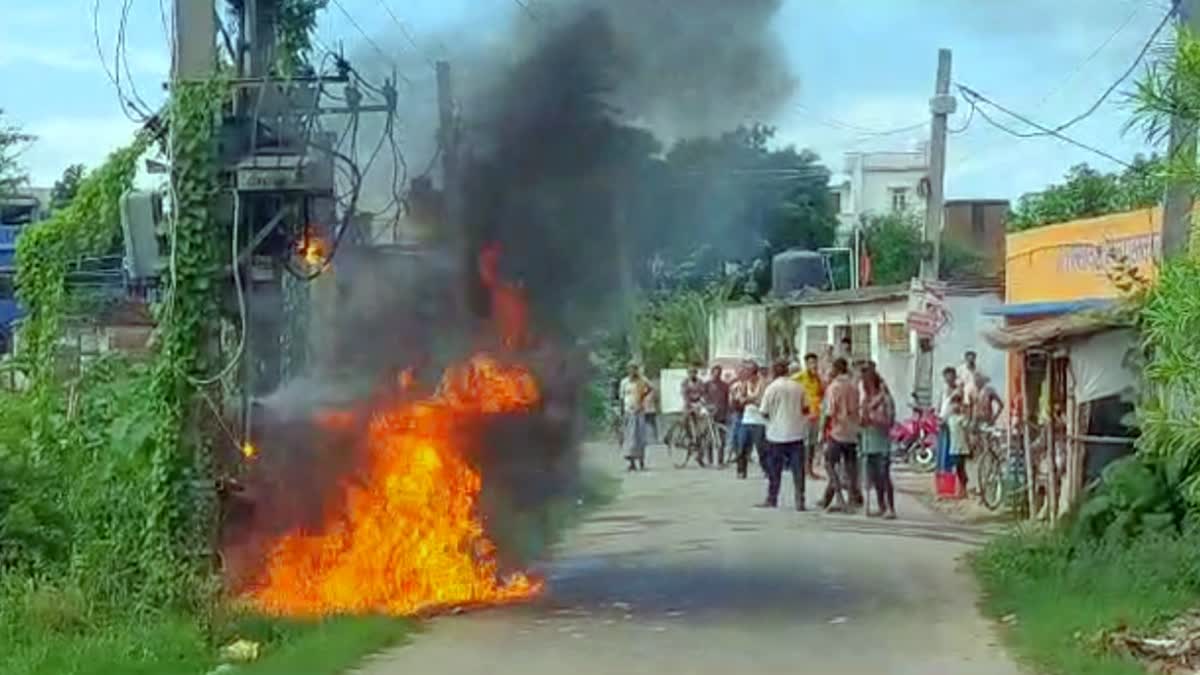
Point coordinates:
pixel 1100 365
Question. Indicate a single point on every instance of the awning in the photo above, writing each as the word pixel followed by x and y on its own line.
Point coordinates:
pixel 1040 332
pixel 1051 308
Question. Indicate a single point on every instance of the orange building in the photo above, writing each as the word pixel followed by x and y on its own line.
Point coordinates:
pixel 1064 267
pixel 1066 359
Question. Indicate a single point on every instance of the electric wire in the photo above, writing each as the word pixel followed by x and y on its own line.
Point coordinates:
pixel 975 97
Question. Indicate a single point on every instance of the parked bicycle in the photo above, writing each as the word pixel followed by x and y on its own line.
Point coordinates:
pixel 698 435
pixel 990 465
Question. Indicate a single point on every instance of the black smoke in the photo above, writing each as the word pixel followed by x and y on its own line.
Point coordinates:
pixel 558 130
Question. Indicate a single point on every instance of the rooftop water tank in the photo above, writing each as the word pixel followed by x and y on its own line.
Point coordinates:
pixel 795 270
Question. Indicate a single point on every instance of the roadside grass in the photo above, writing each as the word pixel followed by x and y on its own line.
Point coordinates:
pixel 178 645
pixel 1055 599
pixel 49 632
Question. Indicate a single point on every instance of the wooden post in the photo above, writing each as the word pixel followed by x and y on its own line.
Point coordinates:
pixel 1030 469
pixel 1051 456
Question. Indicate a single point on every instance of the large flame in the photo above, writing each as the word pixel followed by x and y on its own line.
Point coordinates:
pixel 408 536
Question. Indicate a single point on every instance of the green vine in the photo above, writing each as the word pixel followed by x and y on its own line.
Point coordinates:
pixel 88 226
pixel 181 461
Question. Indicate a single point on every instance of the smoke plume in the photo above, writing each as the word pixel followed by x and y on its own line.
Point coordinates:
pixel 555 123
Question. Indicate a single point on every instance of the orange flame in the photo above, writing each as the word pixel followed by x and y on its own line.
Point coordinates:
pixel 407 536
pixel 311 247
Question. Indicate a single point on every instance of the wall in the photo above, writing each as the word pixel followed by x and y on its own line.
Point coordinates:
pixel 967 325
pixel 738 333
pixel 964 332
pixel 1069 261
pixel 896 367
pixel 980 225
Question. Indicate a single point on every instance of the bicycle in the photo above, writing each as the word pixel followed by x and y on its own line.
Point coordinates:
pixel 698 435
pixel 990 467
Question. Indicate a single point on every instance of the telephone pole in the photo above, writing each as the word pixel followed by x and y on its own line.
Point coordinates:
pixel 1177 204
pixel 941 106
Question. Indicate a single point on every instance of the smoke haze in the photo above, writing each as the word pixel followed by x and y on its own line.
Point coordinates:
pixel 554 123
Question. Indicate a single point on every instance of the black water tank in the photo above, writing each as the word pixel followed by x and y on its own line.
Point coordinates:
pixel 795 270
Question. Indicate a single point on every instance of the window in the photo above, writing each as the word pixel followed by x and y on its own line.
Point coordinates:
pixel 899 199
pixel 835 198
pixel 815 338
pixel 895 337
pixel 860 340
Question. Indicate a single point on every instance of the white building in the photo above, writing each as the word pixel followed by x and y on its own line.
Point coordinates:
pixel 875 318
pixel 879 182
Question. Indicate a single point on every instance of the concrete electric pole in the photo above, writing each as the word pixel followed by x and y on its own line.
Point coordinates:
pixel 1177 205
pixel 195 56
pixel 941 106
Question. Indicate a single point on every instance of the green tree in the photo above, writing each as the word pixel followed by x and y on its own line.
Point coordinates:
pixel 893 241
pixel 734 197
pixel 65 187
pixel 11 141
pixel 1086 193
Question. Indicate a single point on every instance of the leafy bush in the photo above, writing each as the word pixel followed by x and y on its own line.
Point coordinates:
pixel 1137 496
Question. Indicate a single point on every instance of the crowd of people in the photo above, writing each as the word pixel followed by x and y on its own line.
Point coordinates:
pixel 831 407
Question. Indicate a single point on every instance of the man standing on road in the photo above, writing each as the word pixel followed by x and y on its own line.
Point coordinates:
pixel 841 459
pixel 716 394
pixel 748 394
pixel 786 409
pixel 814 393
pixel 634 392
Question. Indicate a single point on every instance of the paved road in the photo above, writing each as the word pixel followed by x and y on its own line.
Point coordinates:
pixel 682 576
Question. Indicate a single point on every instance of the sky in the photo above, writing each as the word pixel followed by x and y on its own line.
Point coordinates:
pixel 863 67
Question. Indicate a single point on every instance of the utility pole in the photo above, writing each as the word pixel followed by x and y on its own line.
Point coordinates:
pixel 1177 205
pixel 941 106
pixel 195 56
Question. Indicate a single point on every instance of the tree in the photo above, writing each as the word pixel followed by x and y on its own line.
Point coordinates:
pixel 1087 193
pixel 893 241
pixel 717 199
pixel 11 140
pixel 65 188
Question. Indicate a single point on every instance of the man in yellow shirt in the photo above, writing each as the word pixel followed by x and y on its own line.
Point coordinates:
pixel 814 390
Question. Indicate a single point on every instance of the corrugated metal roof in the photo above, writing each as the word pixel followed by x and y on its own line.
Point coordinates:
pixel 1057 329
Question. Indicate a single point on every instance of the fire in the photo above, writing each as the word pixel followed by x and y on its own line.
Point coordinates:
pixel 407 536
pixel 311 247
pixel 249 451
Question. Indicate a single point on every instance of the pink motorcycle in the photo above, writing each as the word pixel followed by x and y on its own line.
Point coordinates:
pixel 914 440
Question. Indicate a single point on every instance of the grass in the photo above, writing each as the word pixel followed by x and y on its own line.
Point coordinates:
pixel 1055 599
pixel 53 633
pixel 175 644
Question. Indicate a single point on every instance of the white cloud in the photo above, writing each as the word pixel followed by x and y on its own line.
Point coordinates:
pixel 62 141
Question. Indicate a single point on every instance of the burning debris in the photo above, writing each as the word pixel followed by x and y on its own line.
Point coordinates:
pixel 408 536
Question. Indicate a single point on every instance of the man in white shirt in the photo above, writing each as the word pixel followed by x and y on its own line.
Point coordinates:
pixel 786 408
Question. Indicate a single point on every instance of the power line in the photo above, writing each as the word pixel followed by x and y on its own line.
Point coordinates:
pixel 359 28
pixel 862 131
pixel 408 36
pixel 1091 57
pixel 975 98
pixel 1128 71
